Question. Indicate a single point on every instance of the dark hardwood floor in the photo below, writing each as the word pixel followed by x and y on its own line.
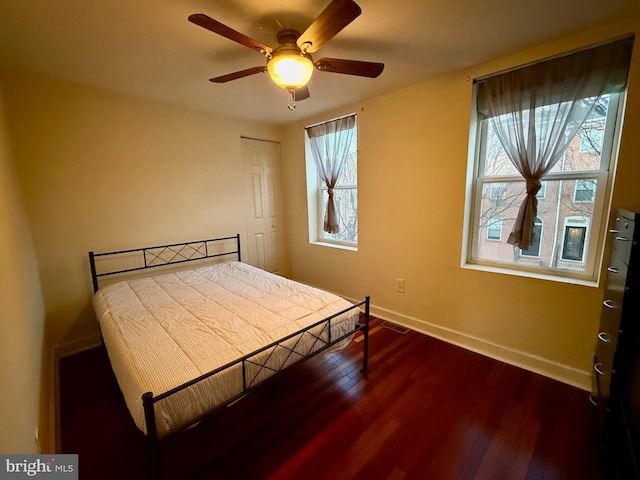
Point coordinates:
pixel 426 410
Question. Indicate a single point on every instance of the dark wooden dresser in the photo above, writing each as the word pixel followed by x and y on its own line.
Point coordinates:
pixel 616 364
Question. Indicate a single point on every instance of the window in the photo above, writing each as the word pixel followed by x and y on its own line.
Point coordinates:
pixel 543 189
pixel 332 168
pixel 569 190
pixel 494 229
pixel 534 246
pixel 585 190
pixel 575 236
pixel 498 191
pixel 571 201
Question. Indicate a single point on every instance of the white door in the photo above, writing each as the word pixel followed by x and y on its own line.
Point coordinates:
pixel 263 204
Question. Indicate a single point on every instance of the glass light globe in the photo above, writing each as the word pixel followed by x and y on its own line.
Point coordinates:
pixel 290 70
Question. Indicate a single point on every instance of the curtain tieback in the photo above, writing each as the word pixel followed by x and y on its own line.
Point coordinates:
pixel 330 191
pixel 533 186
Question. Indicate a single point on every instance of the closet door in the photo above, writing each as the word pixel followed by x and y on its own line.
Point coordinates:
pixel 263 204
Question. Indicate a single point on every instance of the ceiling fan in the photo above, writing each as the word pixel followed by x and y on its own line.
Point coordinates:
pixel 290 65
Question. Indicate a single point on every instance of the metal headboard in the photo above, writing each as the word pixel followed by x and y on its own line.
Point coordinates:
pixel 162 255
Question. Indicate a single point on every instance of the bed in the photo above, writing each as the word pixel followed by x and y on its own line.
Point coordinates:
pixel 202 331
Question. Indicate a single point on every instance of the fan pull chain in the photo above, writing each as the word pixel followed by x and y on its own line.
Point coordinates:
pixel 291 105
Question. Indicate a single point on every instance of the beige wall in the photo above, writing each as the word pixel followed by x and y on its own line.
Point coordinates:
pixel 102 171
pixel 22 315
pixel 412 172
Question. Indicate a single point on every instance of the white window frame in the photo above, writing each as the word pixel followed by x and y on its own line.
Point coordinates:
pixel 602 201
pixel 316 188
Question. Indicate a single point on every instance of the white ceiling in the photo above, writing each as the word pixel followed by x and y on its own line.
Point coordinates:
pixel 148 48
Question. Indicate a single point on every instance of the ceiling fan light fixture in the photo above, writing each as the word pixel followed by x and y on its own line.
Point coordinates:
pixel 290 65
pixel 290 70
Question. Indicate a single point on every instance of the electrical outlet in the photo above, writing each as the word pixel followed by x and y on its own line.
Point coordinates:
pixel 400 285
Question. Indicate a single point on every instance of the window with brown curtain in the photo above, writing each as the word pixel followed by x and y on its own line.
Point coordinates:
pixel 333 148
pixel 555 121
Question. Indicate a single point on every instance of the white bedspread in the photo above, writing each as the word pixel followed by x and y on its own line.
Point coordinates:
pixel 165 330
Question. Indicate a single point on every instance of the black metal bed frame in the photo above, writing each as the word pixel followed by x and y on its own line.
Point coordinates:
pixel 157 256
pixel 171 254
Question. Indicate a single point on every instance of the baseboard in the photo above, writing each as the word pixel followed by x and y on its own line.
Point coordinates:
pixel 76 346
pixel 563 373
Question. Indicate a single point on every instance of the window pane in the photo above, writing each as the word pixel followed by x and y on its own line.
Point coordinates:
pixel 557 211
pixel 534 246
pixel 583 154
pixel 349 173
pixel 346 201
pixel 591 139
pixel 577 158
pixel 585 191
pixel 496 161
pixel 505 205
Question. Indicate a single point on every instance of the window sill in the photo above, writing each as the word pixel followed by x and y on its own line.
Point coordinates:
pixel 531 274
pixel 339 246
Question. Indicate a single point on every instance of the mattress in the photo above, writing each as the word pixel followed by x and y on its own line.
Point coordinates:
pixel 164 330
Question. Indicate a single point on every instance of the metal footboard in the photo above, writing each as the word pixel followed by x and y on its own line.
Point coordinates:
pixel 255 364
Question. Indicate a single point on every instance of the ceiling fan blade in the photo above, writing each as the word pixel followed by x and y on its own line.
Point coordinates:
pixel 337 15
pixel 302 93
pixel 216 27
pixel 236 75
pixel 350 67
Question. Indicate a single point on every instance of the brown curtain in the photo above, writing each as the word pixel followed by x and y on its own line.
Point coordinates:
pixel 330 144
pixel 537 110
